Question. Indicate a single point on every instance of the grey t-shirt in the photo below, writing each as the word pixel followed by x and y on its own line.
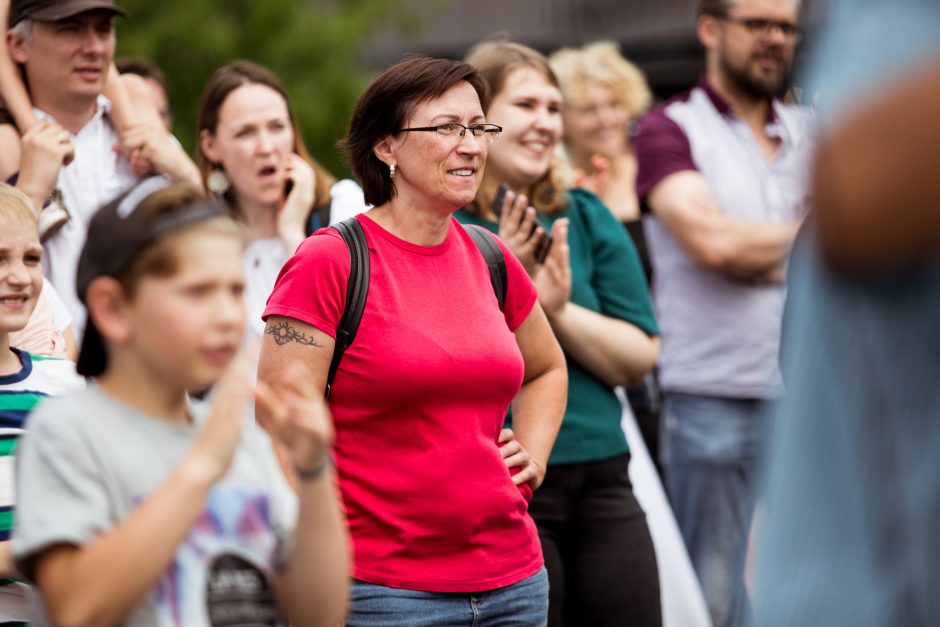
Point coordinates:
pixel 88 460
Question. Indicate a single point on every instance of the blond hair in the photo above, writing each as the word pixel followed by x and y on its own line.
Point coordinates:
pixel 601 63
pixel 14 205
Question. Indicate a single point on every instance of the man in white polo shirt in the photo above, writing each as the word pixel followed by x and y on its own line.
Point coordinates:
pixel 66 48
pixel 723 169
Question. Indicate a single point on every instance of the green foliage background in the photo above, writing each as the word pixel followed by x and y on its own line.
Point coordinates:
pixel 312 45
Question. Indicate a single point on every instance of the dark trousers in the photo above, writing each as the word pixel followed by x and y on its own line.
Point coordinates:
pixel 598 551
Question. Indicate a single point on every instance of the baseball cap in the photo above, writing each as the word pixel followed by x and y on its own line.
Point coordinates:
pixel 117 233
pixel 55 10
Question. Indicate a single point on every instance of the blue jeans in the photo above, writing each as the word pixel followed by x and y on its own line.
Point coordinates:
pixel 711 449
pixel 523 604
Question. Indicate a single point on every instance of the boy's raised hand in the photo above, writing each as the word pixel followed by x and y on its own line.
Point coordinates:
pixel 298 419
pixel 215 447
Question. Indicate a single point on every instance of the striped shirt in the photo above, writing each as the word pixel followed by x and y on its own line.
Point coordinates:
pixel 19 393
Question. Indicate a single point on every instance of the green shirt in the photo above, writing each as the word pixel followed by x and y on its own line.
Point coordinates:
pixel 606 277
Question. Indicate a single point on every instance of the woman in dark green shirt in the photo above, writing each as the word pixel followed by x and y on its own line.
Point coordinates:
pixel 598 551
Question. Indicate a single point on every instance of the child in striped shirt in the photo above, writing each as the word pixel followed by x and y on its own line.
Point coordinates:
pixel 25 379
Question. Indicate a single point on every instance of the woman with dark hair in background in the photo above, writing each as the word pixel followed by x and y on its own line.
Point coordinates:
pixel 435 490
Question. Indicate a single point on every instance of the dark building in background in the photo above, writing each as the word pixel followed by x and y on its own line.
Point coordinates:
pixel 657 35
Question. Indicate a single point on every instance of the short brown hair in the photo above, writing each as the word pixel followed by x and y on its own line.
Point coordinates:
pixel 385 106
pixel 227 79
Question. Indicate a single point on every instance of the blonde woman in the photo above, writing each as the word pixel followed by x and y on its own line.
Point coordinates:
pixel 603 93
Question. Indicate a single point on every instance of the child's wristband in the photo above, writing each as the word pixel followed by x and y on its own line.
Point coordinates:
pixel 309 474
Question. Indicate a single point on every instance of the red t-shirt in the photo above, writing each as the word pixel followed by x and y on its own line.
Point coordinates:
pixel 418 403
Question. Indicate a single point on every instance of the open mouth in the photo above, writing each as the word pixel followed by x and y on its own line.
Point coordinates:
pixel 268 170
pixel 462 172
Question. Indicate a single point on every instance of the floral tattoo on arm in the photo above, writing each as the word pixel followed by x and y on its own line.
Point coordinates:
pixel 283 332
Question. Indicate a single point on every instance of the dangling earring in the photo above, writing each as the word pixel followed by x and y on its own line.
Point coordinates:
pixel 217 182
pixel 391 171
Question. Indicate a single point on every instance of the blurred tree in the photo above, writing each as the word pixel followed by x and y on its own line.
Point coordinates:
pixel 312 45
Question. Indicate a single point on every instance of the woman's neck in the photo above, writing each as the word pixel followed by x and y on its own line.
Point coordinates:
pixel 422 223
pixel 259 220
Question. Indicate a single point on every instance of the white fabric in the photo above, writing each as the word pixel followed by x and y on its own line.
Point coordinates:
pixel 61 317
pixel 263 258
pixel 680 594
pixel 346 200
pixel 95 176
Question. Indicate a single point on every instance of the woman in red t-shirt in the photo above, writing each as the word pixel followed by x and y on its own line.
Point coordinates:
pixel 435 490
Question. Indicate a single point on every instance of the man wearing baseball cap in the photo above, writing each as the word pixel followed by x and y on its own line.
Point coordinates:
pixel 66 48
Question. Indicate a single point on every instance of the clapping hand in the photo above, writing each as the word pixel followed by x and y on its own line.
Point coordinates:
pixel 553 280
pixel 520 230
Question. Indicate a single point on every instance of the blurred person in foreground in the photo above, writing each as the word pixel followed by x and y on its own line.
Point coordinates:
pixel 435 489
pixel 853 497
pixel 140 507
pixel 598 552
pixel 724 170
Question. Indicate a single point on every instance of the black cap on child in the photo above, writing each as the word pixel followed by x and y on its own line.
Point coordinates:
pixel 116 234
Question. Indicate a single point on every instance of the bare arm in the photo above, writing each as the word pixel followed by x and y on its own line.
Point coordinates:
pixel 739 248
pixel 313 587
pixel 139 549
pixel 7 568
pixel 876 183
pixel 9 151
pixel 539 407
pixel 12 88
pixel 144 140
pixel 615 351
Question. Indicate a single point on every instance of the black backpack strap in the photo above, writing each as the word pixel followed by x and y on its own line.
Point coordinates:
pixel 357 290
pixel 495 261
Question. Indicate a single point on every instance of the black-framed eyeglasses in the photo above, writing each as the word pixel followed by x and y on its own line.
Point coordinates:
pixel 762 27
pixel 489 132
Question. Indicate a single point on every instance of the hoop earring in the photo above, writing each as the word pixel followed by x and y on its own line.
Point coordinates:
pixel 217 182
pixel 391 171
